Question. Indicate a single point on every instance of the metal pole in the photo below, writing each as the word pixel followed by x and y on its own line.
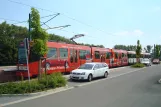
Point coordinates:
pixel 45 67
pixel 27 60
pixel 29 27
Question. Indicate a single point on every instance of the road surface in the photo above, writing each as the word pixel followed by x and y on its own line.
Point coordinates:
pixel 130 88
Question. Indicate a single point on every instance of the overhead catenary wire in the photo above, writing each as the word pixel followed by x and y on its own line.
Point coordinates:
pixel 61 29
pixel 50 19
pixel 74 19
pixel 12 20
pixel 17 21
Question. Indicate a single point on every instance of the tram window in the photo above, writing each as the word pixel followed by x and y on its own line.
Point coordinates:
pixel 75 52
pixel 134 56
pixel 108 54
pixel 63 53
pixel 33 56
pixel 71 55
pixel 82 54
pixel 116 55
pixel 129 55
pixel 123 55
pixel 52 53
pixel 97 55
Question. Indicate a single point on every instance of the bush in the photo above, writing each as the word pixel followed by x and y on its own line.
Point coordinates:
pixel 47 82
pixel 138 65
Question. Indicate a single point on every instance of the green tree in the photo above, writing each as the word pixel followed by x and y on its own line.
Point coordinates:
pixel 138 51
pixel 124 47
pixel 148 48
pixel 39 37
pixel 157 53
pixel 10 36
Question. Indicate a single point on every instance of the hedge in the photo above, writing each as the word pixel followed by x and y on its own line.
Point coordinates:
pixel 138 65
pixel 47 82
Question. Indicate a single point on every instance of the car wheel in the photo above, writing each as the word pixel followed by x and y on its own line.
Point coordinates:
pixel 106 74
pixel 90 77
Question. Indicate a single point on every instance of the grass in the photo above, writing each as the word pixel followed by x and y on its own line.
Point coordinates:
pixel 138 65
pixel 47 82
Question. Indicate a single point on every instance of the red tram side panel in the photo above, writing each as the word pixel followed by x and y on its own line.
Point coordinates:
pixel 116 58
pixel 119 58
pixel 62 55
pixel 102 55
pixel 124 58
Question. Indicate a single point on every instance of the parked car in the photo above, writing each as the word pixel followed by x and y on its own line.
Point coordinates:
pixel 156 61
pixel 146 62
pixel 88 71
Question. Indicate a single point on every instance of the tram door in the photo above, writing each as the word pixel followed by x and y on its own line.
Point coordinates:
pixel 74 58
pixel 103 57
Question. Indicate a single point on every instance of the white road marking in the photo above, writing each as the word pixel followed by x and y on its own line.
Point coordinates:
pixel 57 91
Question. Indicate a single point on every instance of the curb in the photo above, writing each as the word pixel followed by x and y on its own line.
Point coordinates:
pixel 35 93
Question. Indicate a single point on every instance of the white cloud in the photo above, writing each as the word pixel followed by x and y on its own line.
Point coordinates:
pixel 136 32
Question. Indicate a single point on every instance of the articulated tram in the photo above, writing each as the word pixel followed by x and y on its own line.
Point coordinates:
pixel 62 57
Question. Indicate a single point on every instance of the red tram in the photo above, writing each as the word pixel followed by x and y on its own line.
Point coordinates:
pixel 62 57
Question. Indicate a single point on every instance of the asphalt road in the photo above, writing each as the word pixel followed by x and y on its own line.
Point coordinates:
pixel 132 88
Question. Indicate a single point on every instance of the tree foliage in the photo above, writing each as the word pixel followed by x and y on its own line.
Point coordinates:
pixel 124 47
pixel 138 49
pixel 148 48
pixel 39 35
pixel 10 36
pixel 157 53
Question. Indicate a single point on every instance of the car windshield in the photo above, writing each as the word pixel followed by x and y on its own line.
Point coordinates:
pixel 86 66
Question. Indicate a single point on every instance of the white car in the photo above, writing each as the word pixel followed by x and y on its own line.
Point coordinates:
pixel 88 71
pixel 146 62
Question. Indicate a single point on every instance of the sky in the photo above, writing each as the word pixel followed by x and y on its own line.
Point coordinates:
pixel 104 22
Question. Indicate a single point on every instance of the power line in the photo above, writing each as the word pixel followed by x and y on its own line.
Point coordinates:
pixel 50 19
pixel 13 20
pixel 48 16
pixel 98 29
pixel 17 22
pixel 29 5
